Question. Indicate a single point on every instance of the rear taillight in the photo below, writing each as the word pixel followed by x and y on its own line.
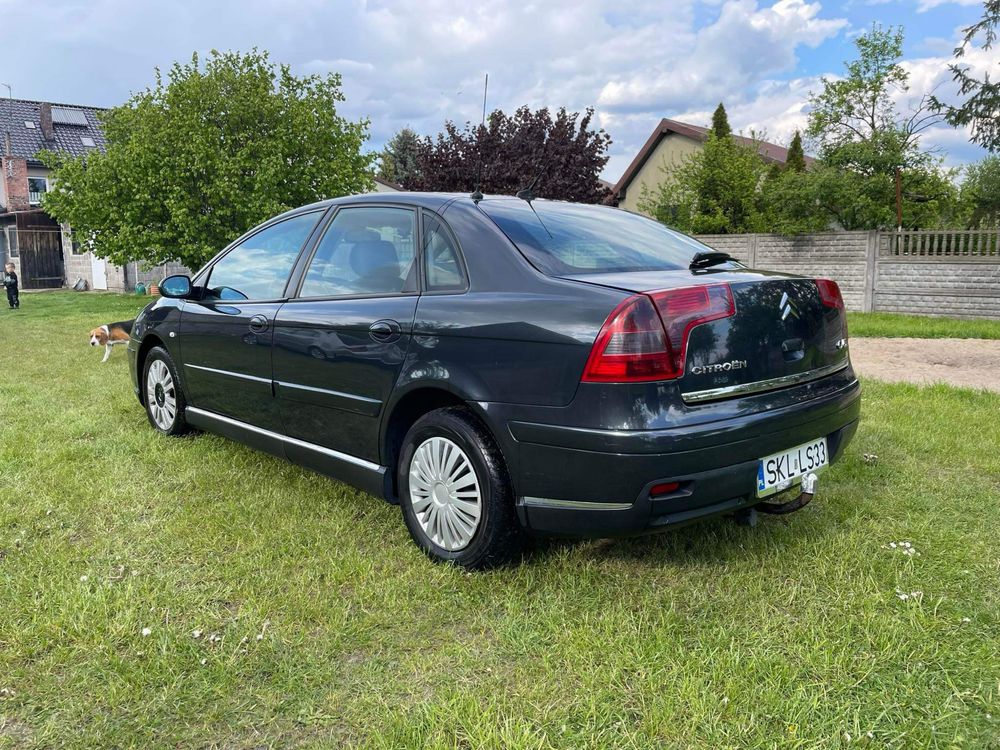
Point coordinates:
pixel 645 337
pixel 829 293
pixel 631 346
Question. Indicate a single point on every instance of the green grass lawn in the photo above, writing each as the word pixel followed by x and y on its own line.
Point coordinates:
pixel 866 325
pixel 320 625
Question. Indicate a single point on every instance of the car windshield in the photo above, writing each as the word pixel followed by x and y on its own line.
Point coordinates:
pixel 563 239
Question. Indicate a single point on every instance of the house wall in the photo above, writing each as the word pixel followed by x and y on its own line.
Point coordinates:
pixel 870 277
pixel 670 152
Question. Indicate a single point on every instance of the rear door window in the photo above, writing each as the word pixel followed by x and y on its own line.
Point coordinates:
pixel 364 251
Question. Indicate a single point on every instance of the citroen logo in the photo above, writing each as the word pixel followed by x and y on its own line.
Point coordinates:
pixel 787 308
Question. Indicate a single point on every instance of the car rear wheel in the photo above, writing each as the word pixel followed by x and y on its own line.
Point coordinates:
pixel 455 492
pixel 162 393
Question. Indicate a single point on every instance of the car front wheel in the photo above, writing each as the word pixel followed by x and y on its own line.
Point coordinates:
pixel 455 492
pixel 164 399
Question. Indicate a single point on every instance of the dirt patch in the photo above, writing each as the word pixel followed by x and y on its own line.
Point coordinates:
pixel 965 363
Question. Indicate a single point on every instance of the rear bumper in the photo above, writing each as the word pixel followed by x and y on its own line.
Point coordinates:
pixel 596 483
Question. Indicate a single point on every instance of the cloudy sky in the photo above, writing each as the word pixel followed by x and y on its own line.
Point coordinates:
pixel 419 63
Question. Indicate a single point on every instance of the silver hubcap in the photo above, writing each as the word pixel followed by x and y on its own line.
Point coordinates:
pixel 161 397
pixel 444 492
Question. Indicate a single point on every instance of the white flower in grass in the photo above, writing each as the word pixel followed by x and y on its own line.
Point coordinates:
pixel 196 634
pixel 966 619
pixel 83 579
pixel 146 632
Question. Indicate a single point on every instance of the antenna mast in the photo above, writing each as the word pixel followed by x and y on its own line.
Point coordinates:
pixel 477 194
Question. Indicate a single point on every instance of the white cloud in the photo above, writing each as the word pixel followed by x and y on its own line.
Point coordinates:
pixel 925 5
pixel 420 62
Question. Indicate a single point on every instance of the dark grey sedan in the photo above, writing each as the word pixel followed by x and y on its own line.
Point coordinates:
pixel 501 368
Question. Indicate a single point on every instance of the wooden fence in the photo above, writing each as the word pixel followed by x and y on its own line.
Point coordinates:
pixel 973 243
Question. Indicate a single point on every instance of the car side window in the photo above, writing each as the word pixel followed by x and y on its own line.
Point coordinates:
pixel 442 267
pixel 365 250
pixel 259 267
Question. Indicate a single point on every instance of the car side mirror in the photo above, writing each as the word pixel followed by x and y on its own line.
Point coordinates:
pixel 177 286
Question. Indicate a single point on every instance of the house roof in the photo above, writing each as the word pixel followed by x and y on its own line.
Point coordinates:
pixel 26 142
pixel 769 152
pixel 388 184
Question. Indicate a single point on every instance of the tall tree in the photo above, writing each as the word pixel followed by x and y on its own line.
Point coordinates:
pixel 981 193
pixel 720 122
pixel 981 108
pixel 795 161
pixel 855 120
pixel 199 158
pixel 398 160
pixel 715 191
pixel 561 156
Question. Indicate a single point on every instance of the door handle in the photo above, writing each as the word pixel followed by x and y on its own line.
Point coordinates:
pixel 258 324
pixel 384 330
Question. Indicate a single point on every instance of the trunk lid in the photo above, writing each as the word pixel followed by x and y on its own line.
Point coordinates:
pixel 782 332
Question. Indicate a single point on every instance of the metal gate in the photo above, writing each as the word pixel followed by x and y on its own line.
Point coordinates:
pixel 41 256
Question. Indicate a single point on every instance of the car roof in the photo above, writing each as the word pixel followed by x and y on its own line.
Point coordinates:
pixel 405 197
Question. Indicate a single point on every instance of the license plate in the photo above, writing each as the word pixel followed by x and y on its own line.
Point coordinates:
pixel 781 470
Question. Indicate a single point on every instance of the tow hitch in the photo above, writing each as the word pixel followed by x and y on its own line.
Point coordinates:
pixel 809 482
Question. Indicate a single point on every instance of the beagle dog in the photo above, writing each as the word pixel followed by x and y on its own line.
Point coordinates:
pixel 111 334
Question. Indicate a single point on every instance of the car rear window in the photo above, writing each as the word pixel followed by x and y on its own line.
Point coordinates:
pixel 563 239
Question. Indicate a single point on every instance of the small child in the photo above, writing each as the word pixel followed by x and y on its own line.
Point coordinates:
pixel 10 284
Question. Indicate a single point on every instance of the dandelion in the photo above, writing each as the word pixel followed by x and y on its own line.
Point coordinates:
pixel 146 632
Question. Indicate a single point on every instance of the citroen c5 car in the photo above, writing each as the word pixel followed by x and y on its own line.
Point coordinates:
pixel 501 367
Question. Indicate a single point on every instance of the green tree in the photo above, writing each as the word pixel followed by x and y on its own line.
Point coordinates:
pixel 196 160
pixel 981 193
pixel 864 138
pixel 714 191
pixel 855 120
pixel 720 122
pixel 981 108
pixel 795 161
pixel 398 160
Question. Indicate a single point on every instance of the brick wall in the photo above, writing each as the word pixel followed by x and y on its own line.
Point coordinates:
pixel 15 177
pixel 870 281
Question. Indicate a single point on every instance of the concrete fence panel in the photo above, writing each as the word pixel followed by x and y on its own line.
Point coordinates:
pixel 878 271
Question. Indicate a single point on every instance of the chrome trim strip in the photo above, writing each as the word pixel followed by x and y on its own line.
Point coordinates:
pixel 743 389
pixel 346 457
pixel 239 375
pixel 546 502
pixel 327 392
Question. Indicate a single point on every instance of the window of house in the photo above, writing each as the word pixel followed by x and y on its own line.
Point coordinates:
pixel 258 268
pixel 442 266
pixel 365 250
pixel 12 249
pixel 37 186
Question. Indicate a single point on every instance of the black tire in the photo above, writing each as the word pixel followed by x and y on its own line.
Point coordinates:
pixel 498 537
pixel 158 400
